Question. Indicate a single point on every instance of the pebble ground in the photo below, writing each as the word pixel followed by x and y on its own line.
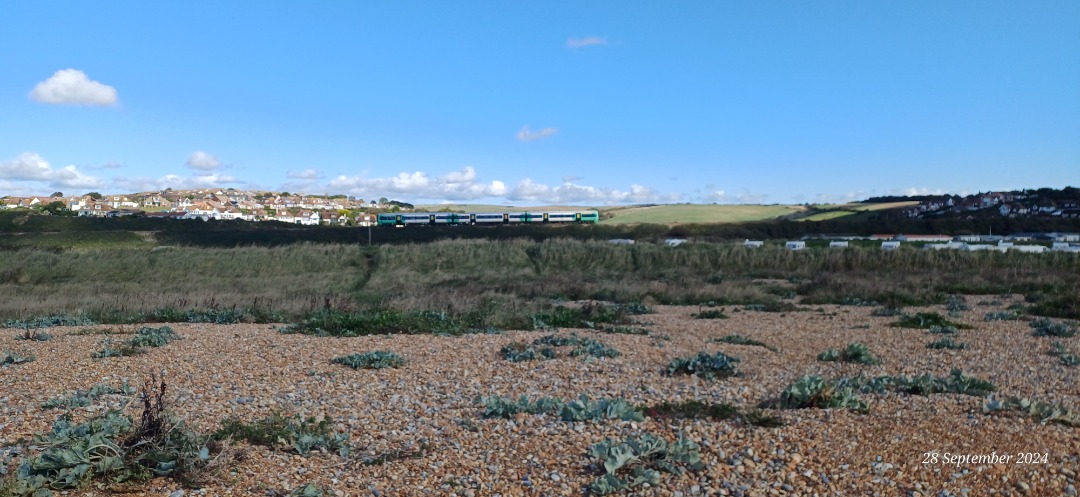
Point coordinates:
pixel 218 371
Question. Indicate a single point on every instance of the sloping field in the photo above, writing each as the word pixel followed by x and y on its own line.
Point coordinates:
pixel 692 213
pixel 844 210
pixel 424 419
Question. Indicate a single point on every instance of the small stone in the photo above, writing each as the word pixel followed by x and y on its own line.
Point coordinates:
pixel 178 493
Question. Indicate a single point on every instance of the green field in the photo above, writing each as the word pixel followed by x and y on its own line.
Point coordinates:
pixel 498 208
pixel 693 213
pixel 827 212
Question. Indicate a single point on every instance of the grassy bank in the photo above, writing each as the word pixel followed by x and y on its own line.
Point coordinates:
pixel 509 280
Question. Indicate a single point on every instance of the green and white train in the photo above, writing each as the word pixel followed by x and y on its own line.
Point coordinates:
pixel 486 218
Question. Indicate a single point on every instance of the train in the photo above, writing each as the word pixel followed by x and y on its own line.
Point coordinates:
pixel 400 219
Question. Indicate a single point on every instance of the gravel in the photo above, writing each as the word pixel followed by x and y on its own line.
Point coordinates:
pixel 248 371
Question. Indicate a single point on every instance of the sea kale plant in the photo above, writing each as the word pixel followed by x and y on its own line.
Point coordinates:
pixel 710 367
pixel 639 460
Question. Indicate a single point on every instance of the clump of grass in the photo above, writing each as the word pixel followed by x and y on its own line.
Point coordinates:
pixel 83 398
pixel 9 357
pixel 638 461
pixel 1046 327
pixel 946 343
pixel 521 352
pixel 287 432
pixel 1001 316
pixel 741 340
pixel 925 320
pixel 710 314
pixel 377 359
pixel 854 352
pixel 707 366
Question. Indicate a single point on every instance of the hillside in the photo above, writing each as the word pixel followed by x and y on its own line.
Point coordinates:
pixel 695 213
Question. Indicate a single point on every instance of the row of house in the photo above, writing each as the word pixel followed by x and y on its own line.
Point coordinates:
pixel 1007 204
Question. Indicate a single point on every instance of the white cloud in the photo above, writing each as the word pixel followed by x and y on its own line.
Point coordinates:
pixel 527 135
pixel 567 193
pixel 203 161
pixel 913 191
pixel 747 197
pixel 309 174
pixel 587 41
pixel 456 185
pixel 570 178
pixel 715 196
pixel 73 87
pixel 31 167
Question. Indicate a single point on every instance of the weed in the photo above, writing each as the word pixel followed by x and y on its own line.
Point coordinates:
pixel 946 343
pixel 707 366
pixel 33 334
pixel 741 340
pixel 854 352
pixel 763 419
pixel 377 359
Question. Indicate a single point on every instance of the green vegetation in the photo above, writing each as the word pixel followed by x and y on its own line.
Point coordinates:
pixel 111 447
pixel 926 320
pixel 1038 411
pixel 1002 316
pixel 946 343
pixel 943 330
pixel 1057 349
pixel 542 348
pixel 1045 327
pixel 281 431
pixel 521 352
pixel 741 340
pixel 710 314
pixel 581 409
pixel 686 213
pixel 377 359
pixel 9 357
pixel 640 460
pixel 854 352
pixel 144 337
pixel 83 398
pixel 814 392
pixel 707 366
pixel 33 335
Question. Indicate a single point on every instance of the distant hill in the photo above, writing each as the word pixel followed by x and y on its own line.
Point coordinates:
pixel 695 213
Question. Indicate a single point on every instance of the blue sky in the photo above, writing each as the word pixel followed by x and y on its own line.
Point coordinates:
pixel 541 102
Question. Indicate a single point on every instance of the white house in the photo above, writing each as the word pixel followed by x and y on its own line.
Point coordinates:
pixel 796 245
pixel 890 245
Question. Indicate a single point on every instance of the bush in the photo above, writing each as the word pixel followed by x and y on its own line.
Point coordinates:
pixel 854 352
pixel 704 365
pixel 741 340
pixel 637 461
pixel 377 359
pixel 946 343
pixel 1045 327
